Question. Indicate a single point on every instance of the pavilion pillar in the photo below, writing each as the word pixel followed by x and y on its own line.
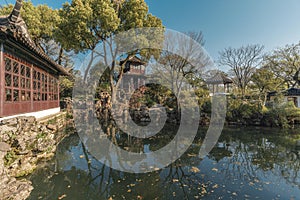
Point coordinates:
pixel 2 80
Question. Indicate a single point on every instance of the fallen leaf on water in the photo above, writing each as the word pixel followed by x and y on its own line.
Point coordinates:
pixel 191 155
pixel 203 191
pixel 110 198
pixel 214 169
pixel 129 190
pixel 175 180
pixel 195 170
pixel 62 196
pixel 215 186
pixel 81 156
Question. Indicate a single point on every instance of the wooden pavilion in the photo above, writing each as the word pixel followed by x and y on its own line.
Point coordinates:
pixel 28 77
pixel 219 84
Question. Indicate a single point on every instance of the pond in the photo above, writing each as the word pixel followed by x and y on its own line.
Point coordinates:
pixel 246 163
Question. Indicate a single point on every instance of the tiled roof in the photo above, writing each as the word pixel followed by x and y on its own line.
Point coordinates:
pixel 14 27
pixel 292 92
pixel 288 92
pixel 134 60
pixel 219 78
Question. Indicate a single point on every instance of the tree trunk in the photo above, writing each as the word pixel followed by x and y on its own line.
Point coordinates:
pixel 113 91
pixel 265 99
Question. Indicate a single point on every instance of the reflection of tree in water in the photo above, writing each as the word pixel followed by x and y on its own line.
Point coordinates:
pixel 255 153
pixel 241 156
pixel 220 151
pixel 134 144
pixel 73 183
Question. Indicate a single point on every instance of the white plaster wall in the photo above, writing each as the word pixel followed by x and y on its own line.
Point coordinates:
pixel 37 115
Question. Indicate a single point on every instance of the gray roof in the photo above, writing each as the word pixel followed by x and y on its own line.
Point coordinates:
pixel 219 78
pixel 14 27
pixel 288 92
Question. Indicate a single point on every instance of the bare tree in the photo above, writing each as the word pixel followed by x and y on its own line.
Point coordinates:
pixel 242 62
pixel 177 69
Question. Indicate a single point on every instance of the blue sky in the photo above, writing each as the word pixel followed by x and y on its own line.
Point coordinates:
pixel 225 23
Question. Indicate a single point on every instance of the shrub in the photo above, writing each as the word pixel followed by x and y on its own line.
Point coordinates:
pixel 281 115
pixel 242 111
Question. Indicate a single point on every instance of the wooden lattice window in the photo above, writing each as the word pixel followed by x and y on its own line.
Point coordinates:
pixel 23 83
pixel 17 81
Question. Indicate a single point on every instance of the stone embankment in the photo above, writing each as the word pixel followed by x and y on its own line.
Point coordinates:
pixel 24 142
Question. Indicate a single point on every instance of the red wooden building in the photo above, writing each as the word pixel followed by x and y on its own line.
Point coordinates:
pixel 28 77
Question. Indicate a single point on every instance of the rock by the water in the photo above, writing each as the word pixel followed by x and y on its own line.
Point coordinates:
pixel 10 187
pixel 4 147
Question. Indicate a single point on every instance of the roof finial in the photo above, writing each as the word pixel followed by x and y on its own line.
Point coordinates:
pixel 13 17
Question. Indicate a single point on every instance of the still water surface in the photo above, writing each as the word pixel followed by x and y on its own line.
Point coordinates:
pixel 247 163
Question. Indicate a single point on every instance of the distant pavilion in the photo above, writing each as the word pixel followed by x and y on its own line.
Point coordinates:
pixel 219 84
pixel 134 74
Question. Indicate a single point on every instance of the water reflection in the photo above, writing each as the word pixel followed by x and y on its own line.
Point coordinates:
pixel 245 164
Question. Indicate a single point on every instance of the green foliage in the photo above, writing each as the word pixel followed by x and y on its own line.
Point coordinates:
pixel 66 86
pixel 158 94
pixel 10 157
pixel 42 135
pixel 281 115
pixel 244 112
pixel 85 23
pixel 285 64
pixel 82 24
pixel 265 81
pixel 41 20
pixel 206 106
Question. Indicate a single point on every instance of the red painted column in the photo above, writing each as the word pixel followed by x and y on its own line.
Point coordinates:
pixel 47 93
pixel 31 88
pixel 2 80
pixel 58 92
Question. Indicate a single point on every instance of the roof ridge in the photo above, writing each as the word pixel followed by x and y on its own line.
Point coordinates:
pixel 15 26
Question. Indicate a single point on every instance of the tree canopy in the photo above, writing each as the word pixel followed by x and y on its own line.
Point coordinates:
pixel 86 23
pixel 285 64
pixel 41 20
